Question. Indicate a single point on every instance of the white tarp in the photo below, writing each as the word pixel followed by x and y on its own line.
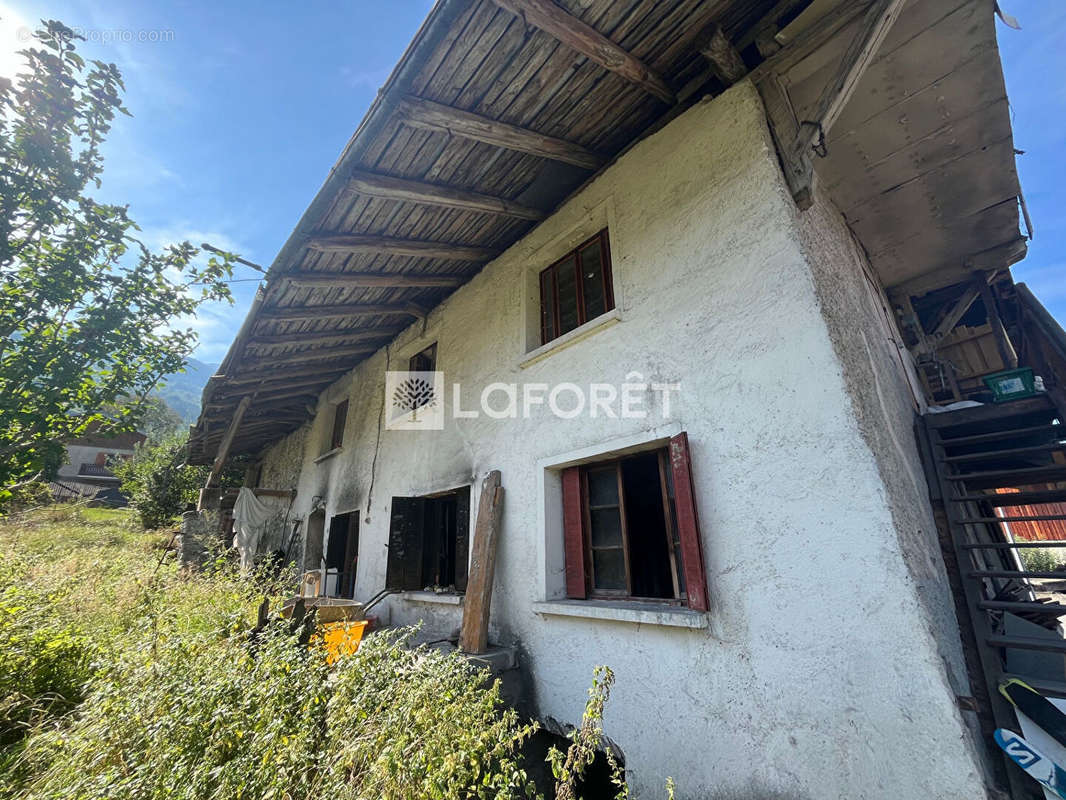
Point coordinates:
pixel 250 517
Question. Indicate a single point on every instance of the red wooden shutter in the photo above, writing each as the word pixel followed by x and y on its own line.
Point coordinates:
pixel 688 523
pixel 573 534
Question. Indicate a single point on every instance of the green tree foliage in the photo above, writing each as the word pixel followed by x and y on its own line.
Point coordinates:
pixel 156 419
pixel 87 313
pixel 157 482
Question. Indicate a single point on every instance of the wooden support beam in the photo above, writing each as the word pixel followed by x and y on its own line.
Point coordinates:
pixel 322 337
pixel 227 441
pixel 797 168
pixel 810 39
pixel 323 312
pixel 353 280
pixel 427 115
pixel 724 58
pixel 474 636
pixel 1003 343
pixel 955 313
pixel 415 248
pixel 289 379
pixel 875 26
pixel 290 389
pixel 389 188
pixel 579 36
pixel 762 33
pixel 307 355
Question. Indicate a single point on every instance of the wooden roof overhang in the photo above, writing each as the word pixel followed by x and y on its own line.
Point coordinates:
pixel 500 109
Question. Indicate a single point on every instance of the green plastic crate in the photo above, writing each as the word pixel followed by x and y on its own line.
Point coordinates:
pixel 1012 384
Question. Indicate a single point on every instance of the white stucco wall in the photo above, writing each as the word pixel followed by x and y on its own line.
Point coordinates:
pixel 819 674
pixel 78 454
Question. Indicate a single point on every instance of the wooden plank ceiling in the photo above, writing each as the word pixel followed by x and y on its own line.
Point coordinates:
pixel 928 132
pixel 498 111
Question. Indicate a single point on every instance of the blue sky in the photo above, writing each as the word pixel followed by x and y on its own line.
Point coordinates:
pixel 240 109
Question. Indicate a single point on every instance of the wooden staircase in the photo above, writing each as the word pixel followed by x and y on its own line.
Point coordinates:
pixel 988 460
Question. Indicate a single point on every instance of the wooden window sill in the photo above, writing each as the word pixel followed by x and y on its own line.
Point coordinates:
pixel 624 611
pixel 326 456
pixel 436 598
pixel 604 320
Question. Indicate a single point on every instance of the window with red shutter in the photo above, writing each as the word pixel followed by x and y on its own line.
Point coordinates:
pixel 631 530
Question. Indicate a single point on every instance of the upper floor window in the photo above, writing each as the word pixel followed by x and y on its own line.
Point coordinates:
pixel 576 288
pixel 340 417
pixel 424 361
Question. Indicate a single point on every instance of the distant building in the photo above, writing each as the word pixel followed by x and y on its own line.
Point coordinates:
pixel 87 471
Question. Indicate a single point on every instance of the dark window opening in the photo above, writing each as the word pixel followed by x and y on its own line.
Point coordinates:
pixel 429 542
pixel 576 288
pixel 425 361
pixel 630 524
pixel 340 417
pixel 630 528
pixel 342 555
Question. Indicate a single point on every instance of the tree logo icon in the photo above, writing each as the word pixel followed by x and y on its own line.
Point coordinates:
pixel 414 400
pixel 413 394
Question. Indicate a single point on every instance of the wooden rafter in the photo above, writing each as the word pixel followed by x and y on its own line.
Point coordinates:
pixel 796 139
pixel 309 355
pixel 290 378
pixel 417 112
pixel 351 280
pixel 416 248
pixel 875 26
pixel 579 36
pixel 353 310
pixel 390 188
pixel 321 337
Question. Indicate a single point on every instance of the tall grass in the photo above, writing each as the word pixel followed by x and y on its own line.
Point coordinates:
pixel 122 678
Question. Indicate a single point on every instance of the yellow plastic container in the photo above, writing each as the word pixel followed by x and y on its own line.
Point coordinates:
pixel 341 638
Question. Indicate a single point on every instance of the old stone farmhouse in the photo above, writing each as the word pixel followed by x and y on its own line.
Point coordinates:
pixel 692 276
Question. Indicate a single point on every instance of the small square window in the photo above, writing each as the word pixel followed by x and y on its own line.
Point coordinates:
pixel 576 288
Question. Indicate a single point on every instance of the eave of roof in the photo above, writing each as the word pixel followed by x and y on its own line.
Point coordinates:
pixel 475 56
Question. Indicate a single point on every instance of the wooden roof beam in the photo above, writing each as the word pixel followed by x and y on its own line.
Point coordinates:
pixel 384 186
pixel 353 280
pixel 309 355
pixel 415 248
pixel 321 337
pixel 288 379
pixel 353 310
pixel 417 112
pixel 579 36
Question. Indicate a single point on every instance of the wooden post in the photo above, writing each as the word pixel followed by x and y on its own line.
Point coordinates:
pixel 474 637
pixel 1003 343
pixel 224 445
